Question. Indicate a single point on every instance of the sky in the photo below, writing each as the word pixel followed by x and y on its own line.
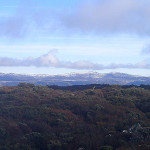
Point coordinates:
pixel 59 37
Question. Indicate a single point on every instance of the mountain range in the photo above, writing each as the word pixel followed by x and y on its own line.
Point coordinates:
pixel 11 79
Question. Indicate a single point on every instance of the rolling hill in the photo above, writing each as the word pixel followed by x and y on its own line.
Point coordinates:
pixel 74 79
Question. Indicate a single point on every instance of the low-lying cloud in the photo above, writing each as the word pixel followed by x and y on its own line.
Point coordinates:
pixel 50 60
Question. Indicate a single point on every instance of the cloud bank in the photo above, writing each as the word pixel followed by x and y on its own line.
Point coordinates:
pixel 97 16
pixel 111 16
pixel 50 60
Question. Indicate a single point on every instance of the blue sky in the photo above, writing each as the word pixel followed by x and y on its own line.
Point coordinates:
pixel 57 37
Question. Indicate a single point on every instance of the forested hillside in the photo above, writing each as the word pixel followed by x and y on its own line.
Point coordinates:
pixel 90 117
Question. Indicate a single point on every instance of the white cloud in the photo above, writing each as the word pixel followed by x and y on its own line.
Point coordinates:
pixel 50 60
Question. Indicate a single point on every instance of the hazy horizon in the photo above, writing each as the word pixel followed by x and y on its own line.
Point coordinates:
pixel 60 37
pixel 71 73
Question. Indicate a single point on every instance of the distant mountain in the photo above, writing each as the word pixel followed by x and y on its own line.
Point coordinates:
pixel 73 79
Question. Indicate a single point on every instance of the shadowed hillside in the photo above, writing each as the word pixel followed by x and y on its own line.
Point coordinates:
pixel 74 79
pixel 90 117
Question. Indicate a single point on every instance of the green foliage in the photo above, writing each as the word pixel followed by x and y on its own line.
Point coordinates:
pixel 106 148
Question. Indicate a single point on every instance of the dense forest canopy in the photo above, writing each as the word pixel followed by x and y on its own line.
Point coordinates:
pixel 89 117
